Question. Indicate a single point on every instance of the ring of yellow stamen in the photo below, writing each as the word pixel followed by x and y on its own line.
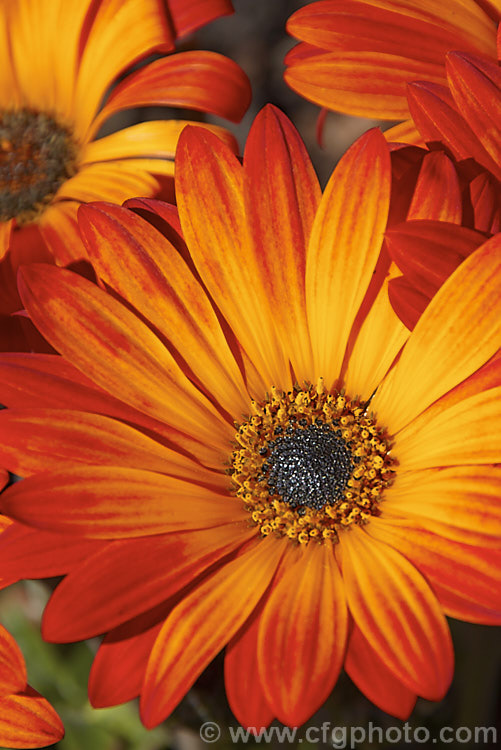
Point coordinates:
pixel 37 155
pixel 308 463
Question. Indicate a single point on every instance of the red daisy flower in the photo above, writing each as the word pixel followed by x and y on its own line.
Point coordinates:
pixel 267 461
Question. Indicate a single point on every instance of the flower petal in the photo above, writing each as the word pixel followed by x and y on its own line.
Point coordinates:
pixel 114 502
pixel 457 333
pixel 437 194
pixel 280 181
pixel 28 720
pixel 13 676
pixel 397 613
pixel 117 350
pixel 370 674
pixel 475 84
pixel 466 579
pixel 344 247
pixel 202 623
pixel 302 636
pixel 93 598
pixel 464 433
pixel 110 48
pixel 209 189
pixel 189 15
pixel 461 502
pixel 155 280
pixel 205 81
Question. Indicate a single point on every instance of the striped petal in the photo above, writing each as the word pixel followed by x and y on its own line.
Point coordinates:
pixel 458 332
pixel 205 81
pixel 475 84
pixel 13 676
pixel 344 247
pixel 117 350
pixel 46 439
pixel 397 613
pixel 370 674
pixel 210 198
pixel 114 502
pixel 93 599
pixel 466 579
pixel 28 720
pixel 437 194
pixel 461 503
pixel 201 625
pixel 280 181
pixel 155 280
pixel 302 636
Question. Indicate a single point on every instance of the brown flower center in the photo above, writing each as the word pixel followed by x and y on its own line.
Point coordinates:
pixel 36 156
pixel 309 463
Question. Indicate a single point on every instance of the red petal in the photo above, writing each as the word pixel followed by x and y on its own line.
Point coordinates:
pixel 370 674
pixel 12 667
pixel 202 624
pixel 205 81
pixel 437 194
pixel 397 613
pixel 408 303
pixel 28 720
pixel 427 252
pixel 126 578
pixel 116 502
pixel 189 15
pixel 280 181
pixel 302 636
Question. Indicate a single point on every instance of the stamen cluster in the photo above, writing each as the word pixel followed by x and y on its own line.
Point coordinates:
pixel 309 463
pixel 36 156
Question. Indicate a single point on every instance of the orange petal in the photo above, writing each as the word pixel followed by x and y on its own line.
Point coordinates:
pixel 244 691
pixel 427 252
pixel 280 181
pixel 408 303
pixel 435 115
pixel 28 720
pixel 93 598
pixel 437 194
pixel 113 181
pixel 155 280
pixel 110 48
pixel 117 671
pixel 205 81
pixel 397 613
pixel 363 83
pixel 59 229
pixel 344 247
pixel 5 234
pixel 201 625
pixel 486 203
pixel 378 342
pixel 404 132
pixel 466 579
pixel 461 502
pixel 13 677
pixel 475 84
pixel 465 433
pixel 457 334
pixel 209 188
pixel 115 348
pixel 302 636
pixel 48 439
pixel 153 138
pixel 370 674
pixel 114 502
pixel 48 381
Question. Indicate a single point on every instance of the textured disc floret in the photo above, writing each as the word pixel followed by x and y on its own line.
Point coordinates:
pixel 36 156
pixel 309 463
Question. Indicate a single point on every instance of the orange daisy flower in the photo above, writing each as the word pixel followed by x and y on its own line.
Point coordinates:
pixel 26 719
pixel 357 57
pixel 58 59
pixel 290 474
